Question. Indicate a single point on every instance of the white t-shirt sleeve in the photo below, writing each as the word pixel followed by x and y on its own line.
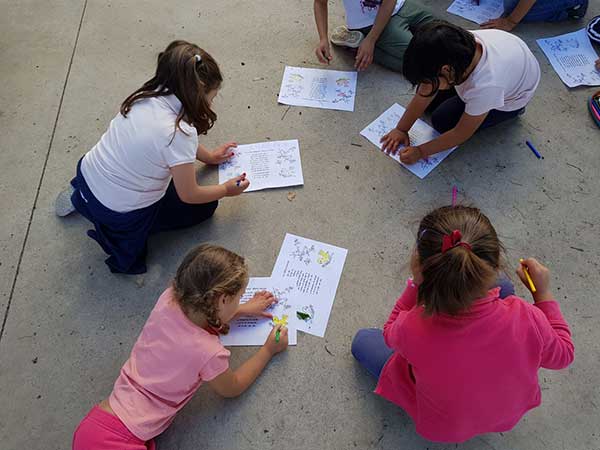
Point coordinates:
pixel 182 150
pixel 481 101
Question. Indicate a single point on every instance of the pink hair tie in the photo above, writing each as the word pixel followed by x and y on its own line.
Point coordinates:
pixel 452 240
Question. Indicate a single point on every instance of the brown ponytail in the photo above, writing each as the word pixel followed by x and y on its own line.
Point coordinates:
pixel 179 71
pixel 453 279
pixel 206 273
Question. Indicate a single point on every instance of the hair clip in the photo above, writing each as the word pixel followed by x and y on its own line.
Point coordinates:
pixel 452 240
pixel 198 58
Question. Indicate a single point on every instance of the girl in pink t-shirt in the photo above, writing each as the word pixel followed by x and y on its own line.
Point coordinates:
pixel 460 353
pixel 179 349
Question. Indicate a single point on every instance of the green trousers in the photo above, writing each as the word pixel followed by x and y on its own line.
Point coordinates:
pixel 391 45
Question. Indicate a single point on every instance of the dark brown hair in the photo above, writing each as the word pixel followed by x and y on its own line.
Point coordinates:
pixel 434 45
pixel 454 279
pixel 181 72
pixel 206 273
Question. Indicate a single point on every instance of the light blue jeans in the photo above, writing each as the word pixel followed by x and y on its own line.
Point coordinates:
pixel 550 10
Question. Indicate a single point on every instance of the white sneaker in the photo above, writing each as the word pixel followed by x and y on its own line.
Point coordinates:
pixel 63 205
pixel 343 37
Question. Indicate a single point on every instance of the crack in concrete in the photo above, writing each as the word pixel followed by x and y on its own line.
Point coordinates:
pixel 37 192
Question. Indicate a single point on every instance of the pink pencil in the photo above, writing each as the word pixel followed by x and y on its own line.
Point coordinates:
pixel 454 192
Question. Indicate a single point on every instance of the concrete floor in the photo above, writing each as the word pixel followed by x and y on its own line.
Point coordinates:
pixel 69 324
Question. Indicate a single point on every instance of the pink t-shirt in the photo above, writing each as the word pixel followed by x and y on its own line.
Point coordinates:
pixel 460 376
pixel 167 365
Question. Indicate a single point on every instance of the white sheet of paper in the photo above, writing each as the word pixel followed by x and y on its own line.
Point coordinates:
pixel 318 88
pixel 572 57
pixel 316 269
pixel 470 10
pixel 420 133
pixel 252 331
pixel 267 165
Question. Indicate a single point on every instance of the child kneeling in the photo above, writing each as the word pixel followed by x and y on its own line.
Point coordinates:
pixel 140 179
pixel 468 80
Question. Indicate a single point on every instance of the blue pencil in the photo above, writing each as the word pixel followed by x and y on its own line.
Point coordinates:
pixel 533 149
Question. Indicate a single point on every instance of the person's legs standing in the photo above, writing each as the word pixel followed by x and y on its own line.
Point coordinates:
pixel 369 349
pixel 174 214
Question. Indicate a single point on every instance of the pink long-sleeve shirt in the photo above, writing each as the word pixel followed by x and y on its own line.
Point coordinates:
pixel 460 376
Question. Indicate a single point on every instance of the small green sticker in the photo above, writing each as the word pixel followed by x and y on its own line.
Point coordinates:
pixel 302 315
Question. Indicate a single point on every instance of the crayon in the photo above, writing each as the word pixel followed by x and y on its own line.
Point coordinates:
pixel 533 149
pixel 529 280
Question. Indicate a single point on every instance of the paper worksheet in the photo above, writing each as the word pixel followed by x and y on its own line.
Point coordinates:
pixel 572 57
pixel 478 12
pixel 315 268
pixel 318 88
pixel 420 133
pixel 251 331
pixel 266 164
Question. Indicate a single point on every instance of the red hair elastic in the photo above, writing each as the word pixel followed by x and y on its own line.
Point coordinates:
pixel 452 240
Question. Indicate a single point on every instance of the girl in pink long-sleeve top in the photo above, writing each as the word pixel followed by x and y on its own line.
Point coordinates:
pixel 458 355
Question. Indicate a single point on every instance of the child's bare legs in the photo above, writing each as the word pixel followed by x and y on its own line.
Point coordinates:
pixel 369 349
pixel 391 45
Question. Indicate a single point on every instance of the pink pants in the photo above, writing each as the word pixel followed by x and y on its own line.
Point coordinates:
pixel 100 430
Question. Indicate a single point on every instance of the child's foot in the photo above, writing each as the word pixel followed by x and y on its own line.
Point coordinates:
pixel 343 37
pixel 63 205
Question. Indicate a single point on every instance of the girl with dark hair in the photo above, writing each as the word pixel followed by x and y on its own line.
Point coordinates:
pixel 178 350
pixel 459 351
pixel 469 80
pixel 140 179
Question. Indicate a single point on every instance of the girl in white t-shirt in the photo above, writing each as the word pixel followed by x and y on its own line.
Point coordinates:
pixel 469 80
pixel 140 178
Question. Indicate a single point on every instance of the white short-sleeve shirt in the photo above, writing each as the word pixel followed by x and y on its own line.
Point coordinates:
pixel 362 13
pixel 128 168
pixel 505 77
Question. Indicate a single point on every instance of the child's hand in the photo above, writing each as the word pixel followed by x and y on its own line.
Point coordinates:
pixel 274 347
pixel 391 141
pixel 501 23
pixel 256 305
pixel 221 154
pixel 411 155
pixel 598 64
pixel 323 52
pixel 236 185
pixel 364 55
pixel 540 275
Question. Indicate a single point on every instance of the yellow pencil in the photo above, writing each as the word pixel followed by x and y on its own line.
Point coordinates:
pixel 529 280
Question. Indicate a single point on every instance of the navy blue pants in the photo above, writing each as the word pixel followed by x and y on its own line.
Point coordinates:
pixel 447 108
pixel 550 10
pixel 370 350
pixel 124 236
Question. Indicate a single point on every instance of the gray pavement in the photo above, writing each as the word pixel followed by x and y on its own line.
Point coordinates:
pixel 69 324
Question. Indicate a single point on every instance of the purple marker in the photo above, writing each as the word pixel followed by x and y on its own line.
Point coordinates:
pixel 454 192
